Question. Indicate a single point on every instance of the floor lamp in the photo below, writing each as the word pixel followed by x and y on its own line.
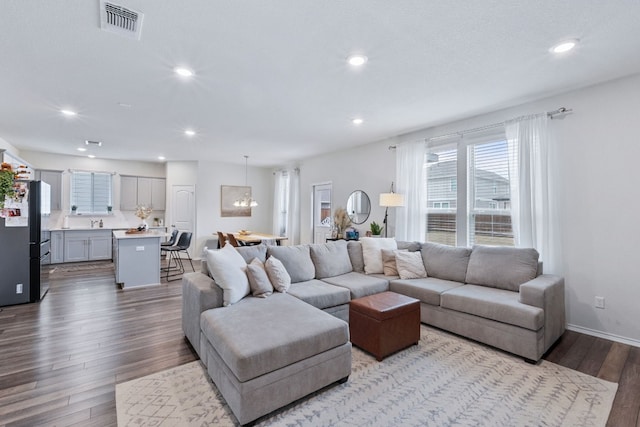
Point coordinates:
pixel 390 200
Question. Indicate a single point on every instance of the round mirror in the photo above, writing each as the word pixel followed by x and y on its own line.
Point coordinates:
pixel 358 207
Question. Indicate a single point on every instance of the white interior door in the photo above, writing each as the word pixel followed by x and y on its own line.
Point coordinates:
pixel 183 209
pixel 322 212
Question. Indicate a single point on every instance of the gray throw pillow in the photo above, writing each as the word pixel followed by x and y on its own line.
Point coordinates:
pixel 355 255
pixel 502 267
pixel 297 261
pixel 331 259
pixel 278 275
pixel 445 262
pixel 258 279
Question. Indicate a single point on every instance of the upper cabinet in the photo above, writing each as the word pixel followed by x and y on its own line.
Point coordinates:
pixel 138 190
pixel 54 179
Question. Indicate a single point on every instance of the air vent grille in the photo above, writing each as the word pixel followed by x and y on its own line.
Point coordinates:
pixel 120 20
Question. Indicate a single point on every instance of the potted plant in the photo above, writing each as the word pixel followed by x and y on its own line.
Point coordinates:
pixel 376 229
pixel 6 182
pixel 109 209
pixel 74 209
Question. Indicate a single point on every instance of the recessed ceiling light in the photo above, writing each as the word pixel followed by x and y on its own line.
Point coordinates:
pixel 357 121
pixel 357 60
pixel 81 149
pixel 189 132
pixel 124 105
pixel 91 156
pixel 183 72
pixel 69 113
pixel 162 158
pixel 565 46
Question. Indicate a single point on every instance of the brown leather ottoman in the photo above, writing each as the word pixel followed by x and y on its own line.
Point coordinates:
pixel 384 323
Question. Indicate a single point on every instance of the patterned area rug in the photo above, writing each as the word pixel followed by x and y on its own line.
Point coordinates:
pixel 443 381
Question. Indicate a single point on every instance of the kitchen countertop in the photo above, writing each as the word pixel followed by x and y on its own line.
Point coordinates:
pixel 98 228
pixel 122 234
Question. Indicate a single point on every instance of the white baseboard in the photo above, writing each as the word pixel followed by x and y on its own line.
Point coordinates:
pixel 607 336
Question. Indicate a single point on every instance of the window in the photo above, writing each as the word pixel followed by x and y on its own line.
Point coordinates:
pixel 91 192
pixel 489 192
pixel 478 210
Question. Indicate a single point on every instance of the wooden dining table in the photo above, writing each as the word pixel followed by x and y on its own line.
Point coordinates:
pixel 257 238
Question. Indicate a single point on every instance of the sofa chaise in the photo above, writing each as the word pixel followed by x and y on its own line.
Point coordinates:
pixel 263 353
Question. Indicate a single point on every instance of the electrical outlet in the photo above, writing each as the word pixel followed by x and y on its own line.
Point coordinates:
pixel 19 288
pixel 599 302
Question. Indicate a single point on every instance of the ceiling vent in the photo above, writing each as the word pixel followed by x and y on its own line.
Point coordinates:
pixel 120 20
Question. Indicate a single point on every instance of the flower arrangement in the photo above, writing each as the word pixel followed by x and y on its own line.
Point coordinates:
pixel 341 221
pixel 143 212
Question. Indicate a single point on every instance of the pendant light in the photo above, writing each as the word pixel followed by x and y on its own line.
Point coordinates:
pixel 246 201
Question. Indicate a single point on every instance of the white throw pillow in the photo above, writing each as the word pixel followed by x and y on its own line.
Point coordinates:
pixel 229 270
pixel 372 253
pixel 278 275
pixel 410 265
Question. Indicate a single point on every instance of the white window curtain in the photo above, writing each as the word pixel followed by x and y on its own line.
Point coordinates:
pixel 530 167
pixel 286 205
pixel 411 182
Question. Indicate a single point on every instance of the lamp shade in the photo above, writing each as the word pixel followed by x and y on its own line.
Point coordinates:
pixel 391 200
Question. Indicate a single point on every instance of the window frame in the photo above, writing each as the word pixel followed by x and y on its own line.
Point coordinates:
pixel 462 145
pixel 73 200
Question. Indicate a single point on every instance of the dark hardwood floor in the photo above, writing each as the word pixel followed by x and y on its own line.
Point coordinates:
pixel 60 359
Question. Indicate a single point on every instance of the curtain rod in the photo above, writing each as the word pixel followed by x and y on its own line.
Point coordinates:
pixel 550 114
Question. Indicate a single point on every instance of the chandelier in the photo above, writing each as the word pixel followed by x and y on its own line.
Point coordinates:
pixel 246 201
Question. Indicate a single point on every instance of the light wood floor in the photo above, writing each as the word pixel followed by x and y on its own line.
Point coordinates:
pixel 60 359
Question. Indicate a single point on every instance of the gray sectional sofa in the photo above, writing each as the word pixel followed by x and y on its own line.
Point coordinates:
pixel 263 353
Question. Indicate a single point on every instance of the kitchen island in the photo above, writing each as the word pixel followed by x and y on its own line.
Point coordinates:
pixel 137 258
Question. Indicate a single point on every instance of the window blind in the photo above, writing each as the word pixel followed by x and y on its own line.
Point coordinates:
pixel 91 192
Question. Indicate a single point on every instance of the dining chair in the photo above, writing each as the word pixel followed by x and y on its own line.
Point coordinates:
pixel 184 241
pixel 232 239
pixel 221 239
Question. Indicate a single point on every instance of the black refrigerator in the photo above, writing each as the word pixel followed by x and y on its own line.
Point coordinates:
pixel 25 244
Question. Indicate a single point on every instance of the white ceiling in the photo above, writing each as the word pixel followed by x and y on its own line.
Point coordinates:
pixel 271 78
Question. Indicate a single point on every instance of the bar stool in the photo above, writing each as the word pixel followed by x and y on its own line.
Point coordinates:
pixel 184 241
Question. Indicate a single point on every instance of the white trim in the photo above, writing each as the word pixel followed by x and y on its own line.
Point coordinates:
pixel 604 335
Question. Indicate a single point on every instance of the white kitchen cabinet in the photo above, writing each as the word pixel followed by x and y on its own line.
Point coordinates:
pixel 57 247
pixel 128 193
pixel 76 247
pixel 137 258
pixel 87 245
pixel 100 246
pixel 158 193
pixel 138 190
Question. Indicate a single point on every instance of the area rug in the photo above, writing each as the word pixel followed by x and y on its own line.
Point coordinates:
pixel 443 381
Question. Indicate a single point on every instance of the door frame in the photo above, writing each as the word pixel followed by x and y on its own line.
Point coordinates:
pixel 313 202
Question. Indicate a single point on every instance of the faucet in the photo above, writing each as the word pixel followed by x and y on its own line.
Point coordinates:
pixel 93 222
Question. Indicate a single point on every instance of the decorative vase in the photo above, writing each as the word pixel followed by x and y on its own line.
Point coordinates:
pixel 143 225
